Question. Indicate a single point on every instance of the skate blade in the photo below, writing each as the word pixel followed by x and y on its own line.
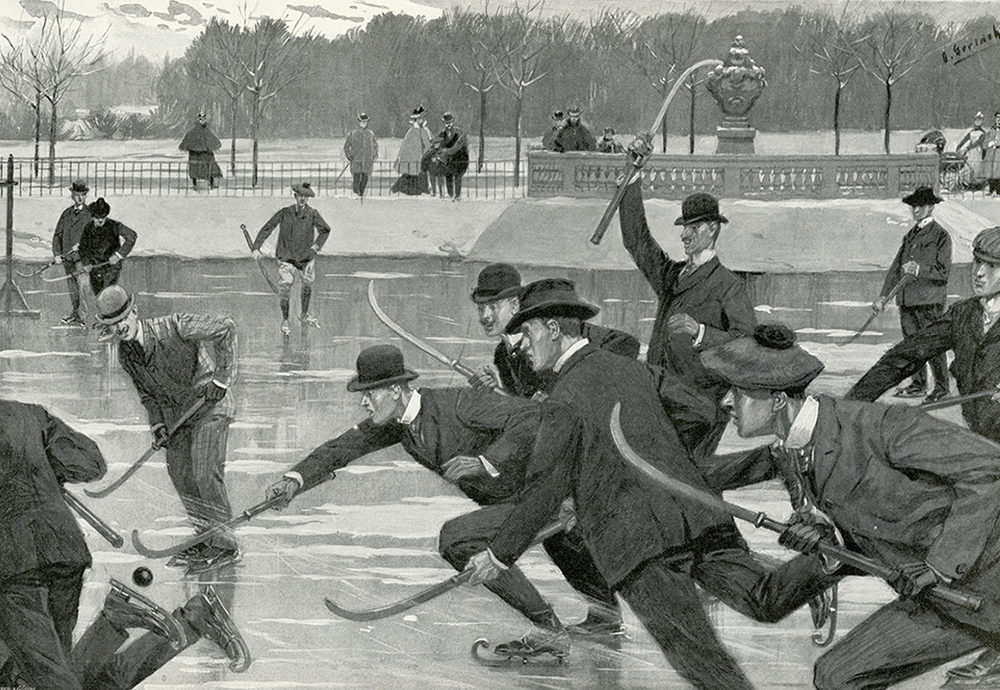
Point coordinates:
pixel 485 656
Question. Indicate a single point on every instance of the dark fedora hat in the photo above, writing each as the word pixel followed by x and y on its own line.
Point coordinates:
pixel 496 281
pixel 699 208
pixel 79 186
pixel 768 360
pixel 448 117
pixel 922 196
pixel 550 297
pixel 113 304
pixel 99 208
pixel 379 366
pixel 362 117
pixel 303 189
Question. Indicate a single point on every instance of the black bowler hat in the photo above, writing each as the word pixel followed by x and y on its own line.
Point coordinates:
pixel 100 208
pixel 79 186
pixel 699 208
pixel 362 117
pixel 378 367
pixel 550 297
pixel 558 115
pixel 922 196
pixel 496 281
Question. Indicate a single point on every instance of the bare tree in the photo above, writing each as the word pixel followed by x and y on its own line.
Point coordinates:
pixel 894 43
pixel 21 77
pixel 832 44
pixel 213 59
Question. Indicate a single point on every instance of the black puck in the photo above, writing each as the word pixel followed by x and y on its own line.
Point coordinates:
pixel 142 576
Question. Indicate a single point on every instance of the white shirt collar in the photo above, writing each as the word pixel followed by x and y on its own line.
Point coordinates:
pixel 991 304
pixel 925 222
pixel 513 340
pixel 703 257
pixel 579 344
pixel 802 428
pixel 412 409
pixel 140 333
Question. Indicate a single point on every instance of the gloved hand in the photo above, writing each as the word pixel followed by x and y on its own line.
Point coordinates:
pixel 805 537
pixel 212 392
pixel 161 436
pixel 484 568
pixel 255 254
pixel 640 149
pixel 911 579
pixel 285 487
pixel 57 259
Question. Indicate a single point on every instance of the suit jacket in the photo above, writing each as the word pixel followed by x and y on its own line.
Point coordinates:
pixel 452 421
pixel 182 353
pixel 38 454
pixel 929 246
pixel 361 149
pixel 712 295
pixel 519 378
pixel 299 231
pixel 903 486
pixel 97 244
pixel 976 366
pixel 69 230
pixel 625 518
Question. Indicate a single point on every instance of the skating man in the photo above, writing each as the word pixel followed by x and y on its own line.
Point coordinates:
pixel 173 361
pixel 650 546
pixel 301 235
pixel 920 495
pixel 924 262
pixel 65 245
pixel 103 244
pixel 701 303
pixel 477 440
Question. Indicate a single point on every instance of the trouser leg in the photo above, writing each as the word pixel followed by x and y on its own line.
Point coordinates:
pixel 664 598
pixel 458 185
pixel 464 536
pixel 308 276
pixel 362 183
pixel 208 466
pixel 29 631
pixel 450 183
pixel 925 315
pixel 73 284
pixel 901 640
pixel 569 553
pixel 286 276
pixel 909 324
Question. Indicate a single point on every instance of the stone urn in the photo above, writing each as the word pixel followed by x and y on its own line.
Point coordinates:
pixel 736 85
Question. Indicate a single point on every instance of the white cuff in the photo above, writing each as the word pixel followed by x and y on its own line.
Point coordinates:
pixel 296 476
pixel 118 254
pixel 220 384
pixel 700 336
pixel 490 469
pixel 496 561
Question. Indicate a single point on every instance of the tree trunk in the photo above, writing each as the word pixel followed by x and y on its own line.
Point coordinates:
pixel 482 130
pixel 232 139
pixel 38 130
pixel 888 109
pixel 836 120
pixel 254 132
pixel 517 139
pixel 53 131
pixel 692 94
pixel 663 125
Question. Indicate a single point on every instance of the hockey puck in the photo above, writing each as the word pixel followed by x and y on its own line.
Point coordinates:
pixel 142 576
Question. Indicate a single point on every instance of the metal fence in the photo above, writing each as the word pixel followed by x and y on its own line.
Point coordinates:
pixel 161 178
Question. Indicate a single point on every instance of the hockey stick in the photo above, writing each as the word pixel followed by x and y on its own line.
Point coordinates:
pixel 871 317
pixel 101 493
pixel 91 518
pixel 270 281
pixel 429 593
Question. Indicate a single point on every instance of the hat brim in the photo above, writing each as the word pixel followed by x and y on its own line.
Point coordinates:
pixel 577 310
pixel 85 190
pixel 480 298
pixel 303 191
pixel 701 219
pixel 118 316
pixel 914 200
pixel 356 386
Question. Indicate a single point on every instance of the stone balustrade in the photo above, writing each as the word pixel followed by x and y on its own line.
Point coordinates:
pixel 586 174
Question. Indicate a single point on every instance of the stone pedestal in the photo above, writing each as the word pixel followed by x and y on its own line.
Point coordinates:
pixel 735 140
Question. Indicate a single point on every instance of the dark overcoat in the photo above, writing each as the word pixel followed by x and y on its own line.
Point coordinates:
pixel 624 518
pixel 929 246
pixel 454 152
pixel 38 454
pixel 976 366
pixel 452 421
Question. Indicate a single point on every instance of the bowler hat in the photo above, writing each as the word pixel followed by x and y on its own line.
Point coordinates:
pixel 113 305
pixel 99 208
pixel 79 186
pixel 768 360
pixel 362 117
pixel 303 189
pixel 379 366
pixel 448 117
pixel 699 208
pixel 550 297
pixel 496 281
pixel 922 196
pixel 986 246
pixel 558 115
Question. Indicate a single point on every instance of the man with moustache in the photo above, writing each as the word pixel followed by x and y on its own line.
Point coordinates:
pixel 65 245
pixel 477 440
pixel 650 546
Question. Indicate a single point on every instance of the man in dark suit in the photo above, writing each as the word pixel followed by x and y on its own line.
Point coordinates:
pixel 916 493
pixel 924 262
pixel 651 546
pixel 173 361
pixel 65 241
pixel 701 304
pixel 574 136
pixel 477 440
pixel 454 155
pixel 105 242
pixel 496 297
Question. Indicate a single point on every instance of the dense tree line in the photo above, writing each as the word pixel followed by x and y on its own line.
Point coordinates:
pixel 616 67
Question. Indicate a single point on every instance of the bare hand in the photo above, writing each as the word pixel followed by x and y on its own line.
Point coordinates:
pixel 57 259
pixel 483 569
pixel 113 259
pixel 911 268
pixel 255 254
pixel 487 377
pixel 285 487
pixel 680 324
pixel 463 466
pixel 567 514
pixel 640 149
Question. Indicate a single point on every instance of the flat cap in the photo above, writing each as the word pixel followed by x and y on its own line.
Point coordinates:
pixel 986 246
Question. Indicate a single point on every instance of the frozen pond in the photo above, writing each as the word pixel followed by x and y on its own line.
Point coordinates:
pixel 369 536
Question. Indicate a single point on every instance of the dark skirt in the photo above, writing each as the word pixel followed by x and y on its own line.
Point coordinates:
pixel 411 184
pixel 202 166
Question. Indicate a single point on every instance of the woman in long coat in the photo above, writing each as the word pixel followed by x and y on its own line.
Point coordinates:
pixel 416 142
